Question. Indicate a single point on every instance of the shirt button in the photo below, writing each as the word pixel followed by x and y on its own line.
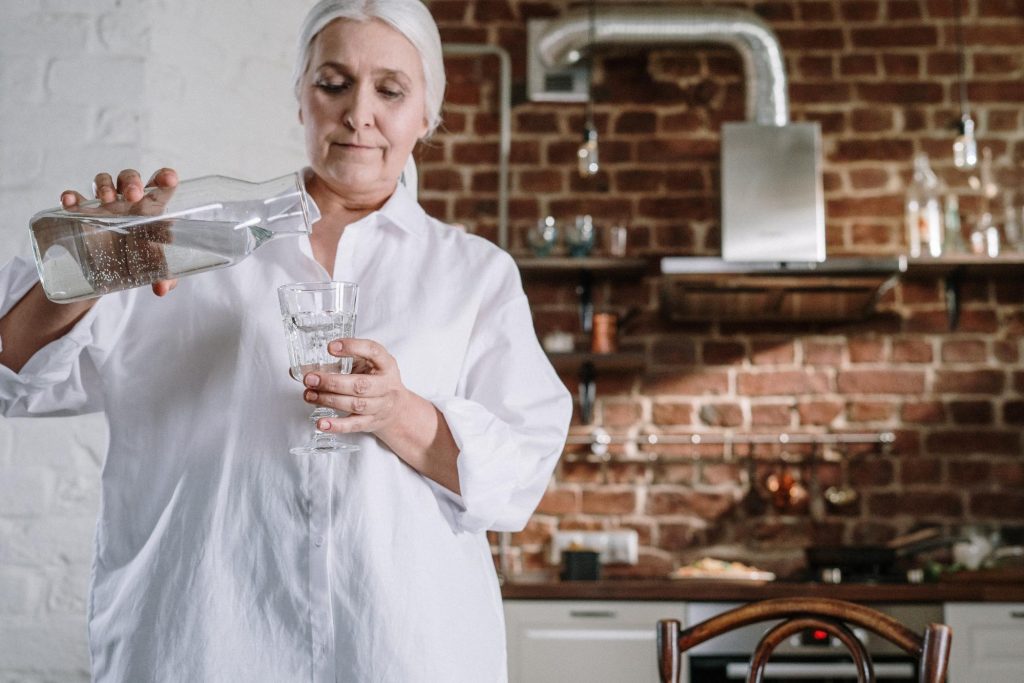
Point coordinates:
pixel 318 541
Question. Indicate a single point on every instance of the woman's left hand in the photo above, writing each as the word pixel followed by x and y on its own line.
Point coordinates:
pixel 373 394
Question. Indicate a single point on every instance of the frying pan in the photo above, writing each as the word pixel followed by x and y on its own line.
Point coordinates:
pixel 873 558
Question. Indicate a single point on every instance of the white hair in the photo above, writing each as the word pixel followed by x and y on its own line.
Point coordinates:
pixel 411 18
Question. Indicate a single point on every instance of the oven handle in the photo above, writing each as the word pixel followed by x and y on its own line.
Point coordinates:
pixel 790 671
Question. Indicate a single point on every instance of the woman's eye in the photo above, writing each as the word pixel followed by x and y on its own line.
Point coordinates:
pixel 330 88
pixel 390 93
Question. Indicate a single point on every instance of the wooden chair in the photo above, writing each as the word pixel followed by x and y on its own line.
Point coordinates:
pixel 931 649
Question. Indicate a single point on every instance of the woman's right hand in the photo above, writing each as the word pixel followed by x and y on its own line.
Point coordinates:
pixel 128 196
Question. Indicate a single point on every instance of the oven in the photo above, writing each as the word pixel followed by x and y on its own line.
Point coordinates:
pixel 809 657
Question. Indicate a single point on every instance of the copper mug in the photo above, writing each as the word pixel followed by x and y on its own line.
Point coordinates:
pixel 604 335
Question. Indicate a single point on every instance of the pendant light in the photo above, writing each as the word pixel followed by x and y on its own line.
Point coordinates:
pixel 965 146
pixel 587 162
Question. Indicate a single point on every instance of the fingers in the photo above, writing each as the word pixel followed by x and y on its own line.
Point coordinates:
pixel 103 188
pixel 129 185
pixel 70 198
pixel 163 287
pixel 351 385
pixel 354 405
pixel 164 177
pixel 367 349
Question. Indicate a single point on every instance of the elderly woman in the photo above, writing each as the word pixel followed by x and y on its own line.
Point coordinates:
pixel 219 556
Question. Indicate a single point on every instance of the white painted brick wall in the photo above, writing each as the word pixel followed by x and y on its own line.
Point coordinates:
pixel 85 86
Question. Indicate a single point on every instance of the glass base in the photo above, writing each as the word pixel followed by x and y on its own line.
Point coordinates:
pixel 323 442
pixel 325 448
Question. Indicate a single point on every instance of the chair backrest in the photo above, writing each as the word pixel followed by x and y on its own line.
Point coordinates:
pixel 930 649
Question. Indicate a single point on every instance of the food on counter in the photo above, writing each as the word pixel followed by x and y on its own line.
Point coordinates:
pixel 710 568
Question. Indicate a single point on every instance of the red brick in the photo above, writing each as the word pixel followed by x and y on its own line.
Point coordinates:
pixel 819 412
pixel 872 150
pixel 1006 352
pixel 869 411
pixel 694 383
pixel 721 474
pixel 1003 121
pixel 442 180
pixel 971 412
pixel 772 352
pixel 858 65
pixel 941 63
pixel 676 535
pixel 903 93
pixel 781 383
pixel 644 122
pixel 870 473
pixel 927 321
pixel 822 353
pixel 860 10
pixel 771 415
pixel 448 10
pixel 898 37
pixel 492 11
pixel 619 413
pixel 677 501
pixel 1008 33
pixel 819 93
pixel 869 178
pixel 1001 505
pixel 609 501
pixel 677 150
pixel 918 504
pixel 817 11
pixel 964 351
pixel 685 180
pixel 721 414
pixel 969 472
pixel 814 66
pixel 911 351
pixel 904 9
pixel 675 473
pixel 673 351
pixel 926 412
pixel 1013 412
pixel 866 350
pixel 663 413
pixel 722 353
pixel 559 501
pixel 970 381
pixel 1007 63
pixel 541 180
pixel 880 382
pixel 1008 473
pixel 795 40
pixel 920 471
pixel 967 442
pixel 996 91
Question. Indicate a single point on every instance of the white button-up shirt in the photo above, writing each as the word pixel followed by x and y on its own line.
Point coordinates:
pixel 219 555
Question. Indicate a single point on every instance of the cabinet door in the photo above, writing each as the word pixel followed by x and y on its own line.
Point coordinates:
pixel 554 641
pixel 988 642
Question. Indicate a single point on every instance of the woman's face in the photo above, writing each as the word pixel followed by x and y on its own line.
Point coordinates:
pixel 363 107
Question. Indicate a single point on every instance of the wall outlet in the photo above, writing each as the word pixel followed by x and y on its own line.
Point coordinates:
pixel 615 547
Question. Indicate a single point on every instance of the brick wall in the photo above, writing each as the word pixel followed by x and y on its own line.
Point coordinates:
pixel 880 78
pixel 105 85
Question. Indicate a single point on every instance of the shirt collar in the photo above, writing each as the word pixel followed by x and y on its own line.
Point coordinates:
pixel 400 210
pixel 404 212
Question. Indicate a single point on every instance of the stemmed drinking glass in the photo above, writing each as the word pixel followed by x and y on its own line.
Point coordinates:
pixel 315 314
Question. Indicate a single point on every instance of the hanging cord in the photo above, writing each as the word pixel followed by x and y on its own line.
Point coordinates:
pixel 961 57
pixel 592 39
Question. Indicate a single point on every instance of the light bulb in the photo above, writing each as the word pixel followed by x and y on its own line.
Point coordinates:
pixel 587 154
pixel 965 146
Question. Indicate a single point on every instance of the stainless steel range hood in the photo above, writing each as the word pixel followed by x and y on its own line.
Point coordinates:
pixel 694 288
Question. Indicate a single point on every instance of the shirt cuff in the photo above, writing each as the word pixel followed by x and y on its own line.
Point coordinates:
pixel 488 465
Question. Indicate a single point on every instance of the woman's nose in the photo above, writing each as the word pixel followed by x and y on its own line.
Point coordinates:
pixel 359 113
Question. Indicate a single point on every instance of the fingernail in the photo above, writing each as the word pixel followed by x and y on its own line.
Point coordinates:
pixel 312 380
pixel 334 347
pixel 323 425
pixel 67 198
pixel 311 396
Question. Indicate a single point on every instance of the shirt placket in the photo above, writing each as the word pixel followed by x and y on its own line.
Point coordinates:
pixel 321 626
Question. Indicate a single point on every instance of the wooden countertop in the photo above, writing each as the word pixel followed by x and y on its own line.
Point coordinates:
pixel 690 590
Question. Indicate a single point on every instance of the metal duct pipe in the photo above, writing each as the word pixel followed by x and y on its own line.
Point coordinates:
pixel 564 39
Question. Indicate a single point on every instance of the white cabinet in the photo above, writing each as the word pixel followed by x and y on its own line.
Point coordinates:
pixel 554 641
pixel 988 642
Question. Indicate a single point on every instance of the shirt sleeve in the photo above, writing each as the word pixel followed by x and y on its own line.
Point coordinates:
pixel 509 419
pixel 60 378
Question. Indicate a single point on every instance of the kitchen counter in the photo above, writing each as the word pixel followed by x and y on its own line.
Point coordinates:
pixel 689 590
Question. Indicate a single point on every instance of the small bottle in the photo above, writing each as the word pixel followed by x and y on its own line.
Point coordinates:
pixel 924 215
pixel 200 225
pixel 587 161
pixel 954 237
pixel 985 236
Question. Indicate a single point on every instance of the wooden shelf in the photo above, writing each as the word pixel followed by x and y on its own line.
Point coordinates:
pixel 624 360
pixel 605 265
pixel 967 264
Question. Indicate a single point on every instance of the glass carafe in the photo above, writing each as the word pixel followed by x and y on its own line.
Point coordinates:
pixel 202 224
